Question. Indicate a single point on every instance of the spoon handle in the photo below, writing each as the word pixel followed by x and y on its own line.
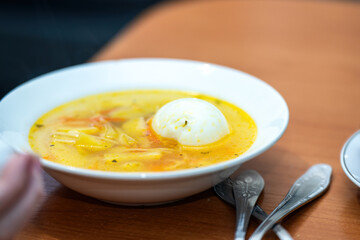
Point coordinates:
pixel 279 230
pixel 225 191
pixel 246 187
pixel 309 186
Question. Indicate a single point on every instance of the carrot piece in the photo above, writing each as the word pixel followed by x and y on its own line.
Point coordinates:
pixel 115 119
pixel 153 138
pixel 47 157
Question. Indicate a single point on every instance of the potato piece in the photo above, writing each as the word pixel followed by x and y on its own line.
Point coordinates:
pixel 126 140
pixel 92 143
pixel 135 127
pixel 88 130
pixel 143 142
pixel 110 132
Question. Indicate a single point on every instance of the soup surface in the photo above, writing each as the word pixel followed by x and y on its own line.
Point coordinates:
pixel 112 132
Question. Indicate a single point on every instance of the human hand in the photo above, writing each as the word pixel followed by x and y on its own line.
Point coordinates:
pixel 21 191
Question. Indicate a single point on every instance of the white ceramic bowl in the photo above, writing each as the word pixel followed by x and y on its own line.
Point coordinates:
pixel 25 104
pixel 350 158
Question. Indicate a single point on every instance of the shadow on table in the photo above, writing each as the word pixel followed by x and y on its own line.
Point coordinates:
pixel 197 217
pixel 67 212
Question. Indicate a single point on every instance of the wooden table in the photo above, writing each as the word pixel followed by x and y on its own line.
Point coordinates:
pixel 309 51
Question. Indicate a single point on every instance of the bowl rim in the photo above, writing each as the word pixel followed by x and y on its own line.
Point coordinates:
pixel 342 159
pixel 175 174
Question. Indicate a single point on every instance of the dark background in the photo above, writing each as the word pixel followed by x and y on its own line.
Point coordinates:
pixel 40 36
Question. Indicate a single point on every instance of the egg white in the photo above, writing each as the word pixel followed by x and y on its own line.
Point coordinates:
pixel 190 121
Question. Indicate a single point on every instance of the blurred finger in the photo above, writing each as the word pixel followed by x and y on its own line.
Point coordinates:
pixel 14 180
pixel 25 206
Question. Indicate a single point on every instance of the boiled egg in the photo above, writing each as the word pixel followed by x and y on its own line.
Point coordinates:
pixel 190 121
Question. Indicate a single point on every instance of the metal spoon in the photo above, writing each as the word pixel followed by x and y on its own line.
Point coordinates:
pixel 247 187
pixel 225 191
pixel 309 186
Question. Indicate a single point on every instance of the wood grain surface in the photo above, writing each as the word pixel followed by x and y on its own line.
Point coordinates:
pixel 309 51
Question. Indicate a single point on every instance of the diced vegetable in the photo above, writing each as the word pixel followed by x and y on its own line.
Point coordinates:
pixel 153 139
pixel 135 127
pixel 126 140
pixel 93 143
pixel 110 132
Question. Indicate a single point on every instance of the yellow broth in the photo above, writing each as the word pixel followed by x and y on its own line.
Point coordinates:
pixel 112 132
